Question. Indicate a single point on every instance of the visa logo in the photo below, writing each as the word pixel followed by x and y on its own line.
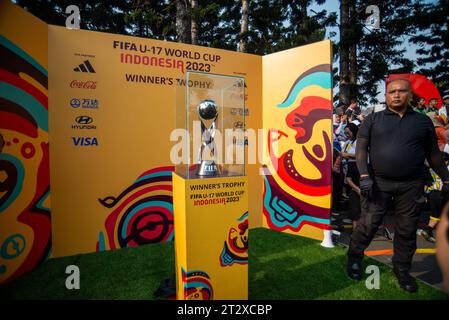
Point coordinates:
pixel 85 141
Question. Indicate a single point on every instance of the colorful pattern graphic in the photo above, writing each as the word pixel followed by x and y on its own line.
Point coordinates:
pixel 302 137
pixel 142 213
pixel 235 248
pixel 197 285
pixel 25 225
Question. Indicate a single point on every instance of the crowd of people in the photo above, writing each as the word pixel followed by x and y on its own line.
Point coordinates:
pixel 401 164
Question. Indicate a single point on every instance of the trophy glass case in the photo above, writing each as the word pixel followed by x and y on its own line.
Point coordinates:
pixel 210 119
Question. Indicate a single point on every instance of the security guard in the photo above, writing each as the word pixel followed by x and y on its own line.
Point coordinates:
pixel 397 141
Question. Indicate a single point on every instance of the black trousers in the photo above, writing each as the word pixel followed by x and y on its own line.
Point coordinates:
pixel 408 198
pixel 337 186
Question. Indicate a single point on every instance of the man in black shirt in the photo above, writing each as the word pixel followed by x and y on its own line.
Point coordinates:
pixel 397 141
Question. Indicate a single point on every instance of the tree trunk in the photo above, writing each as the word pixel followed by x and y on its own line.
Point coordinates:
pixel 353 55
pixel 194 22
pixel 244 25
pixel 183 28
pixel 344 52
pixel 304 5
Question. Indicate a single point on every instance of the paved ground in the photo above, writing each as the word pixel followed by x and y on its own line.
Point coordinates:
pixel 425 266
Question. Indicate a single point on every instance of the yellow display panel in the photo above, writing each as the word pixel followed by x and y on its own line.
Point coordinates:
pixel 25 224
pixel 94 112
pixel 297 109
pixel 211 238
pixel 112 101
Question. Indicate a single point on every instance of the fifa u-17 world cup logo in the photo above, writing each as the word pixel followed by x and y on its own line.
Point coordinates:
pixel 208 114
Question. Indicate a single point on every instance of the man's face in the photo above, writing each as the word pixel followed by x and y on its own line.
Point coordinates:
pixel 398 94
pixel 433 102
pixel 446 101
pixel 421 102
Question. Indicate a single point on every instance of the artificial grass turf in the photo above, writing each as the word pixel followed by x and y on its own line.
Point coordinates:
pixel 281 266
pixel 284 266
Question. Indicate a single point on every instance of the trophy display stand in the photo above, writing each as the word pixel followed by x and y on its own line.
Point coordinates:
pixel 210 196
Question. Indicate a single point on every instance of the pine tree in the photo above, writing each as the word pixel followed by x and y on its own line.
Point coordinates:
pixel 194 22
pixel 95 15
pixel 151 19
pixel 344 52
pixel 183 21
pixel 244 25
pixel 379 52
pixel 433 42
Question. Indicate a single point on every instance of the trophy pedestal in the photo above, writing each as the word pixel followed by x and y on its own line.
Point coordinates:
pixel 211 237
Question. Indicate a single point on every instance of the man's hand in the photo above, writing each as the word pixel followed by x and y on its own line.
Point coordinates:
pixel 366 186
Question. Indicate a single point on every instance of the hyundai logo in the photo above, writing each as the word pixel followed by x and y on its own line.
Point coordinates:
pixel 84 120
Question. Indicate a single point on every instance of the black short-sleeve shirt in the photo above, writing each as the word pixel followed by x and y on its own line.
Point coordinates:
pixel 398 146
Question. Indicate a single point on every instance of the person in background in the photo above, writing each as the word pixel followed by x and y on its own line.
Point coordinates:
pixel 442 238
pixel 348 151
pixel 397 142
pixel 348 154
pixel 341 121
pixel 437 200
pixel 439 129
pixel 336 118
pixel 446 102
pixel 444 110
pixel 352 176
pixel 353 110
pixel 337 177
pixel 337 181
pixel 433 105
pixel 421 105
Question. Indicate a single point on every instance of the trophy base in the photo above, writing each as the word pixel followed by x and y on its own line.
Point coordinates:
pixel 208 168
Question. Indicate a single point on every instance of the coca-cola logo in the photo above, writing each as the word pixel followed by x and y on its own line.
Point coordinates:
pixel 83 84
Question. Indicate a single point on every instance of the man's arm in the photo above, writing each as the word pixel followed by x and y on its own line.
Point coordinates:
pixel 435 157
pixel 363 142
pixel 361 156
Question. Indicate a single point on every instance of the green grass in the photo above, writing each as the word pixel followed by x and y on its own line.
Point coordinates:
pixel 131 273
pixel 282 266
